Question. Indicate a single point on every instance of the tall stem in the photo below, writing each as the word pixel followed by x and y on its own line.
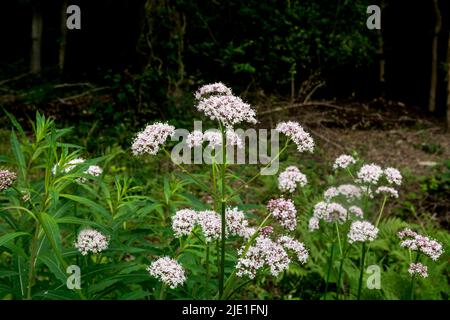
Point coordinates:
pixel 222 213
pixel 330 264
pixel 411 289
pixel 32 260
pixel 207 268
pixel 381 211
pixel 363 254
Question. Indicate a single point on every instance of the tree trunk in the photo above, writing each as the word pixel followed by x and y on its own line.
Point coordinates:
pixel 36 38
pixel 448 84
pixel 63 37
pixel 434 58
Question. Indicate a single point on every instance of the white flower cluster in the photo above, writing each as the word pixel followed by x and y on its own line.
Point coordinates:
pixel 151 138
pixel 284 211
pixel 388 191
pixel 393 176
pixel 356 211
pixel 349 191
pixel 295 131
pixel 418 268
pixel 266 252
pixel 196 138
pixel 185 220
pixel 290 243
pixel 328 212
pixel 90 240
pixel 218 103
pixel 7 178
pixel 167 270
pixel 417 242
pixel 369 174
pixel 362 231
pixel 217 88
pixel 343 162
pixel 289 178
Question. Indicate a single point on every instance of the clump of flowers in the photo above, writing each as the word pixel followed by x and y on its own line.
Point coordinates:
pixel 297 134
pixel 151 138
pixel 211 224
pixel 393 176
pixel 284 211
pixel 90 240
pixel 362 231
pixel 183 222
pixel 236 224
pixel 387 191
pixel 7 178
pixel 349 191
pixel 328 212
pixel 343 162
pixel 194 139
pixel 418 268
pixel 370 174
pixel 289 178
pixel 422 244
pixel 266 252
pixel 217 102
pixel 168 271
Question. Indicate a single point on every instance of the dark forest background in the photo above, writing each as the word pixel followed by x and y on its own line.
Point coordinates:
pixel 146 55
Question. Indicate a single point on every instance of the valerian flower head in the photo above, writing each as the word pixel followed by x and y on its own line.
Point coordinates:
pixel 349 191
pixel 90 240
pixel 94 171
pixel 217 88
pixel 267 230
pixel 329 212
pixel 362 231
pixel 356 211
pixel 295 131
pixel 418 268
pixel 227 109
pixel 343 162
pixel 183 222
pixel 211 224
pixel 194 139
pixel 417 242
pixel 236 224
pixel 151 138
pixel 369 174
pixel 284 211
pixel 290 243
pixel 263 252
pixel 388 191
pixel 393 176
pixel 7 178
pixel 289 178
pixel 168 271
pixel 215 138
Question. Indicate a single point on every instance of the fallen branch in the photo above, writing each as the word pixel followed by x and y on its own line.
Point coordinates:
pixel 14 79
pixel 85 93
pixel 298 105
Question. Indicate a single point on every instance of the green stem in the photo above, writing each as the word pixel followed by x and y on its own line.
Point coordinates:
pixel 363 253
pixel 413 277
pixel 330 264
pixel 341 267
pixel 381 211
pixel 162 292
pixel 32 260
pixel 222 214
pixel 207 269
pixel 338 237
pixel 230 281
pixel 259 172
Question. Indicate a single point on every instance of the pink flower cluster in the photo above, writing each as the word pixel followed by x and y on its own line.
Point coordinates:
pixel 295 131
pixel 362 231
pixel 418 268
pixel 168 271
pixel 266 252
pixel 196 139
pixel 343 162
pixel 369 174
pixel 416 242
pixel 90 240
pixel 388 191
pixel 151 138
pixel 7 178
pixel 217 102
pixel 284 211
pixel 349 191
pixel 328 212
pixel 289 178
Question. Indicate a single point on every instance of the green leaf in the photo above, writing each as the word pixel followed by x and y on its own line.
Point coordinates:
pixel 52 232
pixel 89 203
pixel 74 220
pixel 8 237
pixel 18 154
pixel 54 267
